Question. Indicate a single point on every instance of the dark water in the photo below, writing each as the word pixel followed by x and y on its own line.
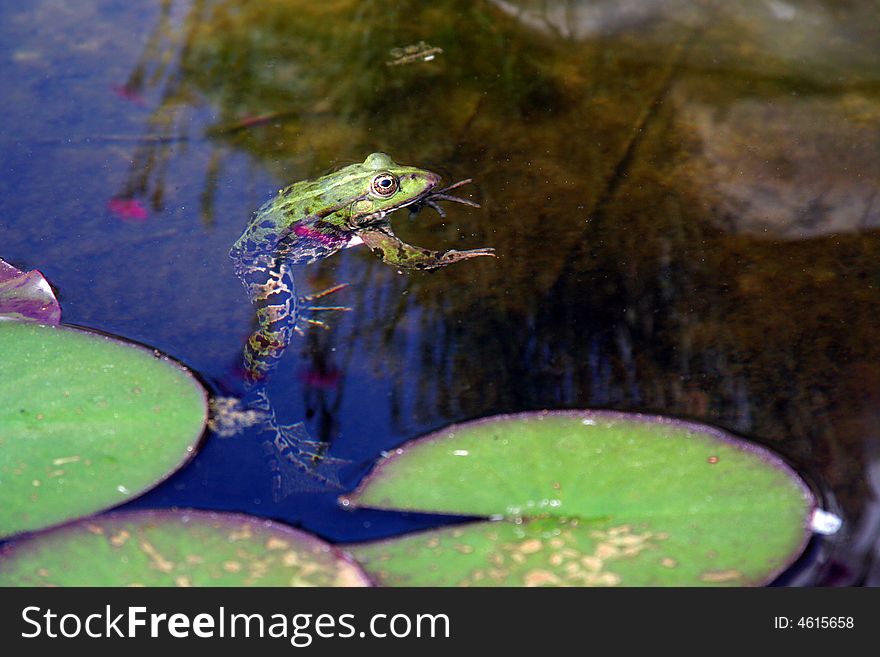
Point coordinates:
pixel 683 197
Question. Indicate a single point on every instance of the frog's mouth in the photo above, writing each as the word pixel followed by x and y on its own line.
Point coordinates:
pixel 431 197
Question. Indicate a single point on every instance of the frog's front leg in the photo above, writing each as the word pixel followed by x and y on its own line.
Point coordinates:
pixel 393 251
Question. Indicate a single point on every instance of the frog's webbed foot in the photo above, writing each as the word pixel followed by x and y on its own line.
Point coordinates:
pixel 298 463
pixel 393 251
pixel 306 308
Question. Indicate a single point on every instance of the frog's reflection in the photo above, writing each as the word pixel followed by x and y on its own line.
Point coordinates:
pixel 304 223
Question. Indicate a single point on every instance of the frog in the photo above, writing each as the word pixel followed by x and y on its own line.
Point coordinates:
pixel 306 222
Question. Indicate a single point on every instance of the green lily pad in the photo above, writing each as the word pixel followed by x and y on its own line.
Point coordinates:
pixel 86 423
pixel 175 548
pixel 587 498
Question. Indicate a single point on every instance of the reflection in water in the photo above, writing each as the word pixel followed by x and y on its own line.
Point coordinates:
pixel 683 195
pixel 418 52
pixel 306 222
pixel 770 184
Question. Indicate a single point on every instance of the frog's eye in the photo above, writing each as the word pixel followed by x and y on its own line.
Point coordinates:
pixel 384 185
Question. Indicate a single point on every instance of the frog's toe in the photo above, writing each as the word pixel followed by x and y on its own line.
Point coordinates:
pixel 302 470
pixel 288 478
pixel 456 256
pixel 313 322
pixel 320 459
pixel 307 307
pixel 323 293
pixel 300 440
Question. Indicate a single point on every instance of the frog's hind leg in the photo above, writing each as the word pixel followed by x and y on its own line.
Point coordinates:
pixel 273 293
pixel 298 464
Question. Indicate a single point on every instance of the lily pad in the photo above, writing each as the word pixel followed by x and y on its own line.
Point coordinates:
pixel 27 296
pixel 86 423
pixel 587 498
pixel 175 548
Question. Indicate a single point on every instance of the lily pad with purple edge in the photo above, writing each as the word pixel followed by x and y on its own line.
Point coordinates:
pixel 175 548
pixel 27 296
pixel 587 498
pixel 86 423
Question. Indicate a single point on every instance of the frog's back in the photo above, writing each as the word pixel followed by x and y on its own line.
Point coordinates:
pixel 302 202
pixel 268 223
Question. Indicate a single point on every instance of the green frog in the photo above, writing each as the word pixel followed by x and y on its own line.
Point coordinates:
pixel 309 221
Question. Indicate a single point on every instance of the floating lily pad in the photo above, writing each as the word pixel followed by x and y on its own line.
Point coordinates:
pixel 175 548
pixel 587 498
pixel 86 422
pixel 27 296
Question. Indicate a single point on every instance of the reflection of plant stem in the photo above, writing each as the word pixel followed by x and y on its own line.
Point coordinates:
pixel 249 122
pixel 327 408
pixel 620 170
pixel 111 139
pixel 648 113
pixel 151 160
pixel 210 133
pixel 212 177
pixel 152 52
pixel 866 217
pixel 459 140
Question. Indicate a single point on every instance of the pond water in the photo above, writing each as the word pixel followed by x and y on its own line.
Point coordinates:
pixel 682 195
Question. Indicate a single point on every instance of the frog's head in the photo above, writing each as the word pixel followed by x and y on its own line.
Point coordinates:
pixel 385 186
